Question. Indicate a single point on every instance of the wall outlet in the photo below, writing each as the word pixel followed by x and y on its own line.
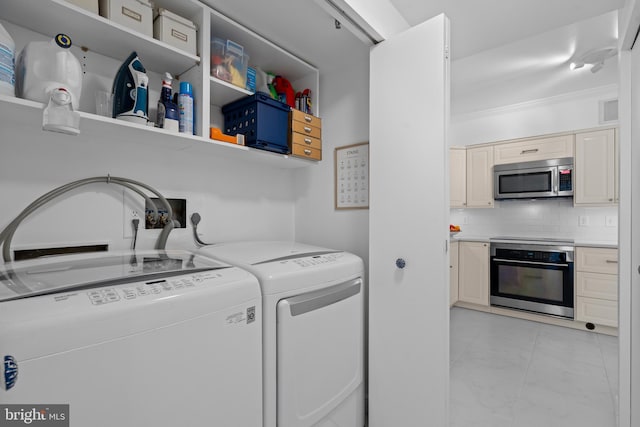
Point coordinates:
pixel 130 211
pixel 611 221
pixel 583 221
pixel 127 221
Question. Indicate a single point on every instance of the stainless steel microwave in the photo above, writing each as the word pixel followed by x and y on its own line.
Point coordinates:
pixel 526 180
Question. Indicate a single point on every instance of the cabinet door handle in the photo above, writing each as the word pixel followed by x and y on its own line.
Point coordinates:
pixel 307 140
pixel 611 261
pixel 401 263
pixel 307 119
pixel 307 129
pixel 533 150
pixel 307 152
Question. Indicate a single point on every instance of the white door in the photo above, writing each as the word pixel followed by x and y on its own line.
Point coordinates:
pixel 408 234
pixel 635 248
pixel 629 218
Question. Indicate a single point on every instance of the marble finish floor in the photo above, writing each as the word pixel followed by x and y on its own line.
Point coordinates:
pixel 508 372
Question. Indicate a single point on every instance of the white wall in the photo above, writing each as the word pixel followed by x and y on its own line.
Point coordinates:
pixel 542 218
pixel 568 112
pixel 537 218
pixel 345 121
pixel 237 200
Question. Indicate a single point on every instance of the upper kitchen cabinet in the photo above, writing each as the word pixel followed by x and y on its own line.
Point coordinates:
pixel 595 168
pixel 479 177
pixel 458 177
pixel 534 149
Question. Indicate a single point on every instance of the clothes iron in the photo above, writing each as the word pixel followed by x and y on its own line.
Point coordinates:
pixel 130 91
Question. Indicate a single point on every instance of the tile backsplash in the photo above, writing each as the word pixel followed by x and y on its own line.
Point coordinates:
pixel 556 218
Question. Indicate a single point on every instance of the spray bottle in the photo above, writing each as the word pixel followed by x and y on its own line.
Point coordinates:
pixel 185 106
pixel 168 113
pixel 7 61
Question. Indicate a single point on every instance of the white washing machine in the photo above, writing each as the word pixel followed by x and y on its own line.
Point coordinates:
pixel 313 342
pixel 161 338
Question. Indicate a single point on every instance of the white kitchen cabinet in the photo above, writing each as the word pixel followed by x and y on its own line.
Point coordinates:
pixel 453 272
pixel 595 171
pixel 597 285
pixel 473 273
pixel 457 177
pixel 408 232
pixel 479 177
pixel 530 150
pixel 105 41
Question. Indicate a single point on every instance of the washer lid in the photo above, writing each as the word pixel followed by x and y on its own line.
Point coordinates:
pixel 55 274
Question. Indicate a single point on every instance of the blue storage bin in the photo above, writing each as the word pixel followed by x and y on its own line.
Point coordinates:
pixel 263 121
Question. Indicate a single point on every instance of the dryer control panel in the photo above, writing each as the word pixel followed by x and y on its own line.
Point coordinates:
pixel 316 260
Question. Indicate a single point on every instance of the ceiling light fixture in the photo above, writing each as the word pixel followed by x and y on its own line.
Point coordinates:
pixel 595 58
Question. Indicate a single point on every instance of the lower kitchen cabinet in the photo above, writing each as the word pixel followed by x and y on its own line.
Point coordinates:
pixel 597 285
pixel 453 272
pixel 473 273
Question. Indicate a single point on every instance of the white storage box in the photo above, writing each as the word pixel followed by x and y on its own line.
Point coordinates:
pixel 135 14
pixel 175 30
pixel 90 5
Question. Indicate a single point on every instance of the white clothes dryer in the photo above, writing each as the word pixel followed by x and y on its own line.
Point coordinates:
pixel 151 338
pixel 313 323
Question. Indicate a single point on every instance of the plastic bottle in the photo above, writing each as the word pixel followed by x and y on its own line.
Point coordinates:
pixel 7 63
pixel 185 105
pixel 168 113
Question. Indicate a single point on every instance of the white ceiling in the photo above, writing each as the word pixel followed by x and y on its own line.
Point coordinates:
pixel 479 25
pixel 504 51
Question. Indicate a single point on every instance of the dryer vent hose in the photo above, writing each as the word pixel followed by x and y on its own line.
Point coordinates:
pixel 7 234
pixel 195 220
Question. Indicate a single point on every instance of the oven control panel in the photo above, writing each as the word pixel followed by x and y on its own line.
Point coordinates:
pixel 531 255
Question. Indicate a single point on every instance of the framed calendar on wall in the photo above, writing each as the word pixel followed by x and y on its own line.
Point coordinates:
pixel 351 165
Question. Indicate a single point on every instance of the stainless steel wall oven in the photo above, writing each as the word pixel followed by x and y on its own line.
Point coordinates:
pixel 533 275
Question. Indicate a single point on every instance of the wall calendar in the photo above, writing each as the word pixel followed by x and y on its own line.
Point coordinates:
pixel 351 164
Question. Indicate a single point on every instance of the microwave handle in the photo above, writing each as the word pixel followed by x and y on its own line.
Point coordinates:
pixel 555 180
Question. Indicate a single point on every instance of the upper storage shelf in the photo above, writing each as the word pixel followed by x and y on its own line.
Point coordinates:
pixel 96 33
pixel 263 54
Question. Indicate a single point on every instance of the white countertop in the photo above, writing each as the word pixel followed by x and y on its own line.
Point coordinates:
pixel 461 237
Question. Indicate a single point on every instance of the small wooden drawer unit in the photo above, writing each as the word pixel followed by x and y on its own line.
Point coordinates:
pixel 305 135
pixel 597 285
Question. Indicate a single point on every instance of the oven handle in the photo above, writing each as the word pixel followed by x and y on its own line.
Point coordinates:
pixel 530 262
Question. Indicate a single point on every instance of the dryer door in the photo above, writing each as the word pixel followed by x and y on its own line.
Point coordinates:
pixel 320 357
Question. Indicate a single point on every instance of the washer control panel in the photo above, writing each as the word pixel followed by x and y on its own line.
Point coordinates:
pixel 144 289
